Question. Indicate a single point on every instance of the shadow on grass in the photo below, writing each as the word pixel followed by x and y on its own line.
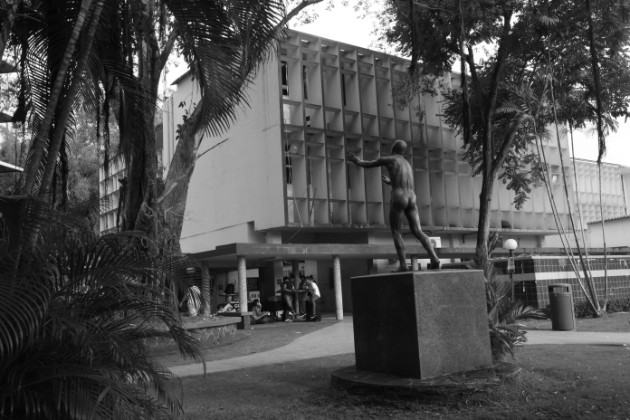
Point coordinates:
pixel 556 381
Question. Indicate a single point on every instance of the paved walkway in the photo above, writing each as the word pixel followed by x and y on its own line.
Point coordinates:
pixel 339 339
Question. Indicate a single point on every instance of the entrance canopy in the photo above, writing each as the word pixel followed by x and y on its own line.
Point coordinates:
pixel 226 256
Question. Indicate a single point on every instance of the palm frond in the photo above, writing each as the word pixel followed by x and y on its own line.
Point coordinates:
pixel 224 44
pixel 76 313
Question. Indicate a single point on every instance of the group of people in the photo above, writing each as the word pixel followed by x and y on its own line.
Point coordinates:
pixel 306 297
pixel 311 295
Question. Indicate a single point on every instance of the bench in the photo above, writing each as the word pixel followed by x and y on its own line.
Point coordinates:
pixel 246 318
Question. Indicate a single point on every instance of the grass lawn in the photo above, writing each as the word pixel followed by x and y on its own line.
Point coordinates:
pixel 613 322
pixel 556 381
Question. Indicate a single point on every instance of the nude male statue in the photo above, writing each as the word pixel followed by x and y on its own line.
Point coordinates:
pixel 403 200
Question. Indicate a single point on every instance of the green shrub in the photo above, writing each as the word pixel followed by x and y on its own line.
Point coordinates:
pixel 618 305
pixel 583 309
pixel 503 317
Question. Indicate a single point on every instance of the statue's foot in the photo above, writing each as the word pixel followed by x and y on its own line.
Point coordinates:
pixel 434 265
pixel 401 269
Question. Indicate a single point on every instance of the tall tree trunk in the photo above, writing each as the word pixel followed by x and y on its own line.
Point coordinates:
pixel 40 140
pixel 489 167
pixel 142 212
pixel 483 229
pixel 173 199
pixel 10 8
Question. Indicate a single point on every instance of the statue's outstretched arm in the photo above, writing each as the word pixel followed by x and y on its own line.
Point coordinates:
pixel 354 158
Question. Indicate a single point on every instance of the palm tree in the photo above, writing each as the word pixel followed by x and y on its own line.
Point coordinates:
pixel 75 313
pixel 112 54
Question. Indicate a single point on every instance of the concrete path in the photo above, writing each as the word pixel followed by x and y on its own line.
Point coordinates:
pixel 329 341
pixel 339 339
pixel 577 337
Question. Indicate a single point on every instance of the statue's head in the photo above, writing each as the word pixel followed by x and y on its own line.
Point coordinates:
pixel 399 147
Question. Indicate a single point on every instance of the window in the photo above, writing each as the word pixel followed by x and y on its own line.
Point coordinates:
pixel 285 78
pixel 305 79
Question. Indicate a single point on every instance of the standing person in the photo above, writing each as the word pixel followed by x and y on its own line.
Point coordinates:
pixel 312 297
pixel 301 297
pixel 403 200
pixel 287 288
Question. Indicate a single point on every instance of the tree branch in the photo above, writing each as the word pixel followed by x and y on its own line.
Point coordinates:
pixel 476 84
pixel 493 91
pixel 507 144
pixel 297 9
pixel 168 48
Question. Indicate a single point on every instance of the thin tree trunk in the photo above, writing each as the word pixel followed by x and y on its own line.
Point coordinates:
pixel 587 274
pixel 595 68
pixel 464 82
pixel 7 24
pixel 601 215
pixel 577 196
pixel 600 129
pixel 39 146
pixel 559 226
pixel 66 105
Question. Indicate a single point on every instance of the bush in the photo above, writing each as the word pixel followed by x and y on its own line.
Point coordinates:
pixel 618 305
pixel 503 316
pixel 583 309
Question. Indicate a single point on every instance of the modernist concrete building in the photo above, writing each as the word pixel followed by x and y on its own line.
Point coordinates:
pixel 275 194
pixel 615 190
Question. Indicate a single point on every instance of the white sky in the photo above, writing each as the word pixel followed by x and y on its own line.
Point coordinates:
pixel 342 24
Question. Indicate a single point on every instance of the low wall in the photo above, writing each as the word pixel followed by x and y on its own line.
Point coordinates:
pixel 210 332
pixel 533 276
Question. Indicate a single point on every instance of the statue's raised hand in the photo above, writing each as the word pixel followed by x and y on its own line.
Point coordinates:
pixel 352 157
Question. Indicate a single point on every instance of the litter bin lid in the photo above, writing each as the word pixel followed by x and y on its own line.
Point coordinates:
pixel 567 286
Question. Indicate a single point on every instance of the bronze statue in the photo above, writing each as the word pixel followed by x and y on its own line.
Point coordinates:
pixel 403 200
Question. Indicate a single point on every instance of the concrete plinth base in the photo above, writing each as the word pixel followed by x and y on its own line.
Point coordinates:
pixel 421 324
pixel 472 381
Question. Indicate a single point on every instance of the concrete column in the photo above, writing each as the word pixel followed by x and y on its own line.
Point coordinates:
pixel 295 268
pixel 206 284
pixel 337 283
pixel 414 263
pixel 242 284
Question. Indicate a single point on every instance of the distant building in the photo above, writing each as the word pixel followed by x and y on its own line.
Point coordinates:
pixel 617 232
pixel 110 184
pixel 275 193
pixel 615 190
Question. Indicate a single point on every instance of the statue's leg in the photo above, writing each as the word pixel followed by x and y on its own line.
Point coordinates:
pixel 414 224
pixel 395 224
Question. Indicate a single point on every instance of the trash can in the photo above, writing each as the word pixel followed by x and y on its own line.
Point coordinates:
pixel 561 305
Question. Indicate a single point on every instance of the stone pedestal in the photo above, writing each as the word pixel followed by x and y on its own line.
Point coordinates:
pixel 421 324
